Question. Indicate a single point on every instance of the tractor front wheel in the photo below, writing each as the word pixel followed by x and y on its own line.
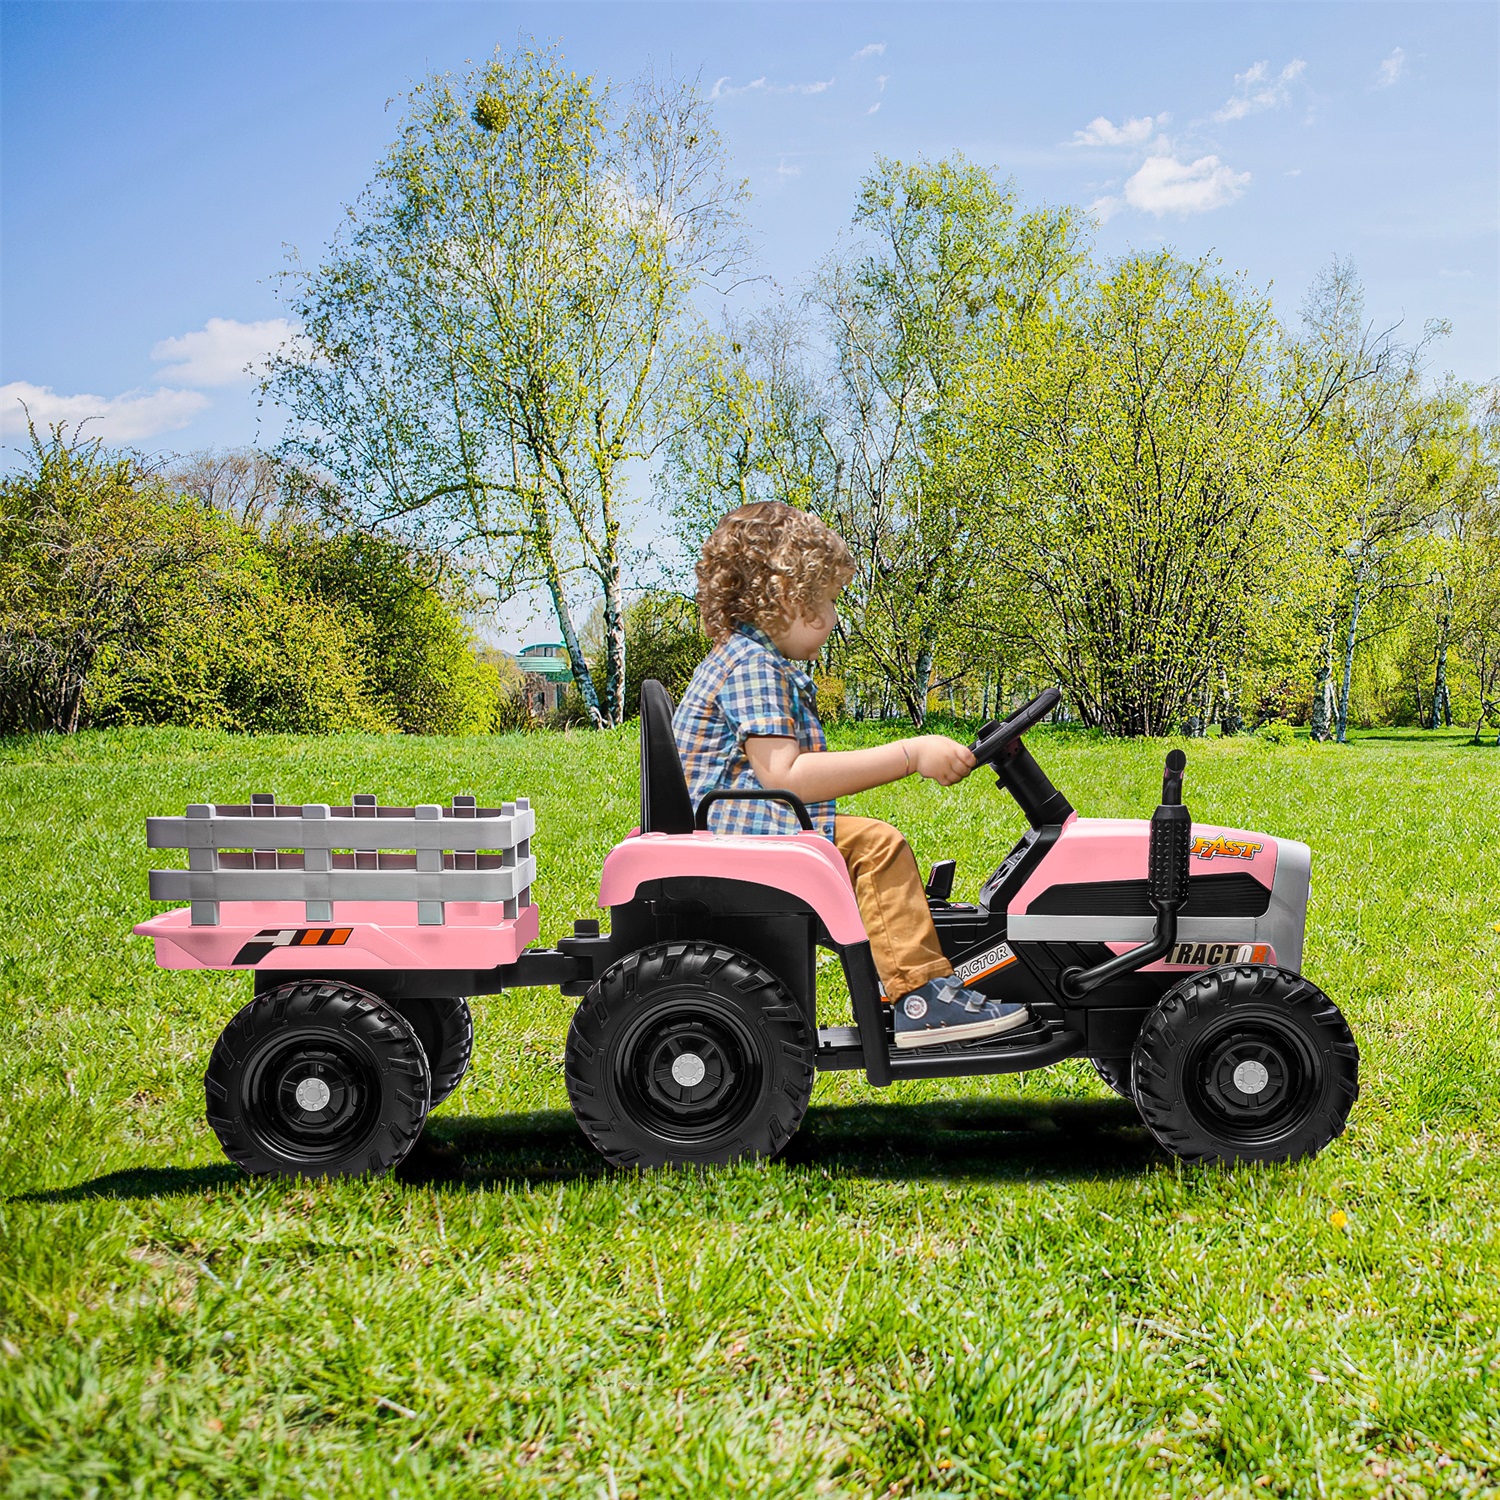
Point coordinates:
pixel 689 1054
pixel 1245 1063
pixel 1115 1071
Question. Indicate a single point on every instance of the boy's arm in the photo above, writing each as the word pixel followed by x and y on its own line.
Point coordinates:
pixel 820 775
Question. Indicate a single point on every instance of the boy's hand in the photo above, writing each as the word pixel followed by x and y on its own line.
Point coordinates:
pixel 940 759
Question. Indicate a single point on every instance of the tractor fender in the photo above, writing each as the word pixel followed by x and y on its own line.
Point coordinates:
pixel 804 865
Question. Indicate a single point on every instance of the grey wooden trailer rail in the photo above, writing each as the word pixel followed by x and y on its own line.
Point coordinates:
pixel 319 854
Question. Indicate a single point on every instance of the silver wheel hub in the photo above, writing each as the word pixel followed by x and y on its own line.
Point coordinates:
pixel 1251 1077
pixel 688 1069
pixel 313 1094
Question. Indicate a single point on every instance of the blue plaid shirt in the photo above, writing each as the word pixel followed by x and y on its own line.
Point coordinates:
pixel 745 686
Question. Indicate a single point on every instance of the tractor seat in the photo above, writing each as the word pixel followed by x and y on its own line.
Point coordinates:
pixel 665 804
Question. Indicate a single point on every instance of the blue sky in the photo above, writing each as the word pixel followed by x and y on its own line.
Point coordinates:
pixel 159 160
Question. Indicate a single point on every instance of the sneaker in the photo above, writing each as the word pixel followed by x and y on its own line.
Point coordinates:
pixel 944 1011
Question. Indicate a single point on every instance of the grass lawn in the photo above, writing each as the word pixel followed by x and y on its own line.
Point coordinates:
pixel 987 1287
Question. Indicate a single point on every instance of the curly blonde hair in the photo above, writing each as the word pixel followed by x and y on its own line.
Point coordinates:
pixel 768 564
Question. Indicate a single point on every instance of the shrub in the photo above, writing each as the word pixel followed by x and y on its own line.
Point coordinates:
pixel 95 561
pixel 663 639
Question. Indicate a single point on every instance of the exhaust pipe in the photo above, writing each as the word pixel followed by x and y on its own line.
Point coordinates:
pixel 1166 886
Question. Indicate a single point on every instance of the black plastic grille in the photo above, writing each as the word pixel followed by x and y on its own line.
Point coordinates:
pixel 1233 895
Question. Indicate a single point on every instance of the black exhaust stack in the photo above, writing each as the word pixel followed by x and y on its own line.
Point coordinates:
pixel 1166 886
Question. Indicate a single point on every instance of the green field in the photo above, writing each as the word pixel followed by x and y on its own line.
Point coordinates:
pixel 996 1287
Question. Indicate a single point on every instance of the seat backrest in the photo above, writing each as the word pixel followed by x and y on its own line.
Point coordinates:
pixel 665 804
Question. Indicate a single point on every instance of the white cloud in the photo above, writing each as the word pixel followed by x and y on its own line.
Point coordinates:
pixel 874 49
pixel 880 82
pixel 785 168
pixel 116 419
pixel 223 351
pixel 1256 89
pixel 871 110
pixel 1165 185
pixel 1104 209
pixel 723 89
pixel 1391 69
pixel 1100 132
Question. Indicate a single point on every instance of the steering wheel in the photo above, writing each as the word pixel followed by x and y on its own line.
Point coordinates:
pixel 995 738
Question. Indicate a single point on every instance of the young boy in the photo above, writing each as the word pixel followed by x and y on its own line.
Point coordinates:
pixel 767 582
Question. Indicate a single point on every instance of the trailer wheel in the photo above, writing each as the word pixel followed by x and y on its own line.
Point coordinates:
pixel 445 1028
pixel 1246 1063
pixel 689 1054
pixel 1115 1071
pixel 317 1079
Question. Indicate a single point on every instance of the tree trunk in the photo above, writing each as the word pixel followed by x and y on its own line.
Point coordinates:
pixel 1322 704
pixel 1231 720
pixel 614 650
pixel 1442 709
pixel 542 543
pixel 66 706
pixel 921 682
pixel 1341 736
pixel 581 678
pixel 999 690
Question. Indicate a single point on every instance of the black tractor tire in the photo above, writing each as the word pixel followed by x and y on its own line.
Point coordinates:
pixel 1246 1063
pixel 445 1028
pixel 1115 1071
pixel 689 1054
pixel 316 1079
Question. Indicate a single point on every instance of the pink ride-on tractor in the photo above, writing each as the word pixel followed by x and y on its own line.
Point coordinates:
pixel 1166 952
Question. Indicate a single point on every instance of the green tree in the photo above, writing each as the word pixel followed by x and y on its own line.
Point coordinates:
pixel 417 657
pixel 1474 575
pixel 750 426
pixel 943 258
pixel 1389 459
pixel 1135 449
pixel 665 641
pixel 940 251
pixel 1394 462
pixel 503 331
pixel 95 559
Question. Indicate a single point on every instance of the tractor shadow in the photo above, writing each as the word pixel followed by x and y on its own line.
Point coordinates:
pixel 971 1139
pixel 959 1139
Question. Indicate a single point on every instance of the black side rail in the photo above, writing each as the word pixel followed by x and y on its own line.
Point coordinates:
pixel 751 794
pixel 1166 886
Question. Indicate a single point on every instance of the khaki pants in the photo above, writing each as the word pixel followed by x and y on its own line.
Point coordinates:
pixel 888 888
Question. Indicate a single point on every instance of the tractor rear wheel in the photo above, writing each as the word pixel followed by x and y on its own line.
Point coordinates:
pixel 689 1054
pixel 1245 1063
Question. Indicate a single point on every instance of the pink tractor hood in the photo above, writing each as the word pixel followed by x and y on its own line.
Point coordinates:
pixel 1093 849
pixel 804 865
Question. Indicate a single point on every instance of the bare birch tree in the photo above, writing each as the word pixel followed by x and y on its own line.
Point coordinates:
pixel 502 331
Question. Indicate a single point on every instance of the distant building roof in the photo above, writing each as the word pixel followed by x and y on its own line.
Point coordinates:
pixel 545 660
